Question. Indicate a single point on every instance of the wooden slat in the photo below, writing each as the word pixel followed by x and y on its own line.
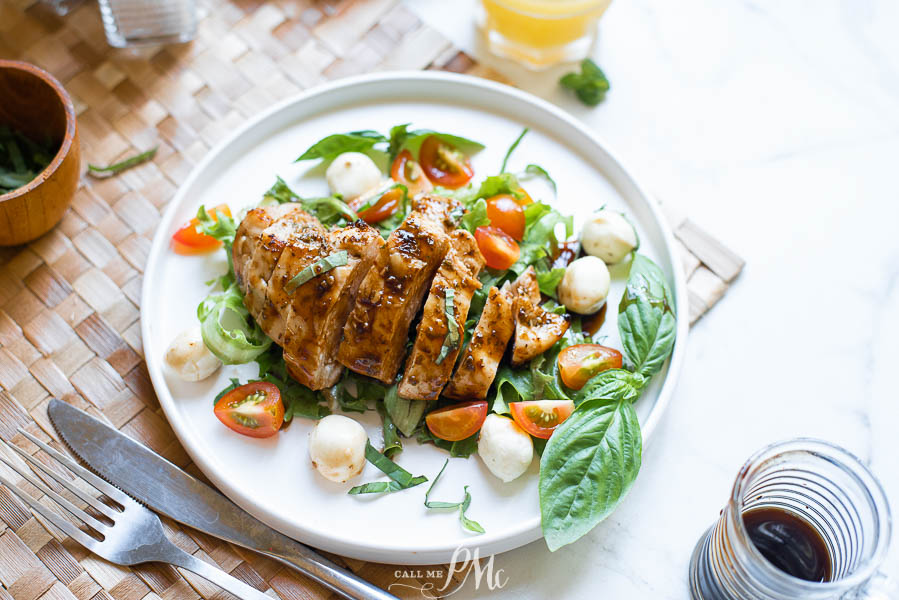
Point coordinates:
pixel 69 325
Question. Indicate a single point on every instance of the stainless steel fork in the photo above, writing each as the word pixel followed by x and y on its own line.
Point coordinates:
pixel 132 534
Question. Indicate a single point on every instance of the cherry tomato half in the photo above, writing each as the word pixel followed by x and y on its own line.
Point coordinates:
pixel 541 417
pixel 444 164
pixel 457 422
pixel 499 249
pixel 386 206
pixel 408 172
pixel 505 212
pixel 187 241
pixel 254 409
pixel 577 364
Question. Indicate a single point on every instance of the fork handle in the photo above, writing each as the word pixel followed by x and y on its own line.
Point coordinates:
pixel 215 575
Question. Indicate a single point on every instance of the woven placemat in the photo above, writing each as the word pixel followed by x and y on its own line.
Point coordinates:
pixel 69 318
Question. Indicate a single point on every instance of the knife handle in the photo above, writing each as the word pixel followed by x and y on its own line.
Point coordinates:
pixel 327 573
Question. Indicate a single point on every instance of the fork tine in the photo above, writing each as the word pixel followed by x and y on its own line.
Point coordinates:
pixel 74 467
pixel 66 483
pixel 68 506
pixel 60 523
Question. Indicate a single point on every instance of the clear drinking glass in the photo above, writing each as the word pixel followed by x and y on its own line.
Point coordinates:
pixel 824 485
pixel 143 22
pixel 541 33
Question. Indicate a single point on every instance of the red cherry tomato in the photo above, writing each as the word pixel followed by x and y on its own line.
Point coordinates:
pixel 444 164
pixel 577 364
pixel 187 241
pixel 386 206
pixel 505 212
pixel 408 172
pixel 254 409
pixel 541 417
pixel 457 422
pixel 499 249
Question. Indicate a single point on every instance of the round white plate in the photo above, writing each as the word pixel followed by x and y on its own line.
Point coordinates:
pixel 272 478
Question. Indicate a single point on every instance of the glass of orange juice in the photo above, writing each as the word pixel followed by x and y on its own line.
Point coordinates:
pixel 540 33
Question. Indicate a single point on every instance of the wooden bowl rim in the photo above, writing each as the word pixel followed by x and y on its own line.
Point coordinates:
pixel 66 145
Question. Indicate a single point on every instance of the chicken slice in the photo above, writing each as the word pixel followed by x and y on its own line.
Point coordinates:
pixel 247 236
pixel 374 338
pixel 315 311
pixel 478 365
pixel 424 376
pixel 438 209
pixel 536 329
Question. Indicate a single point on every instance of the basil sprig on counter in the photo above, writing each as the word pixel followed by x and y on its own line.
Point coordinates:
pixel 593 457
pixel 590 85
pixel 400 478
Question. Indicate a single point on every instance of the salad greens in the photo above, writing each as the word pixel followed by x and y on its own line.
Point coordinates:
pixel 21 159
pixel 330 210
pixel 332 146
pixel 467 523
pixel 593 457
pixel 400 479
pixel 123 165
pixel 228 330
pixel 368 141
pixel 590 85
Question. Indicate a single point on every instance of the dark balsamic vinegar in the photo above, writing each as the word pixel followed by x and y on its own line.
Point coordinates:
pixel 789 542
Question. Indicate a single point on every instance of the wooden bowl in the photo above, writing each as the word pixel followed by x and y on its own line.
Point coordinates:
pixel 34 103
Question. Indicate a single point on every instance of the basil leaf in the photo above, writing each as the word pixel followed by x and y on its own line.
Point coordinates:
pixel 406 414
pixel 614 384
pixel 647 322
pixel 299 401
pixel 467 523
pixel 451 341
pixel 539 234
pixel 590 85
pixel 125 164
pixel 475 217
pixel 538 171
pixel 322 265
pixel 392 443
pixel 281 193
pixel 400 479
pixel 587 467
pixel 332 146
pixel 512 385
pixel 235 383
pixel 512 149
pixel 461 449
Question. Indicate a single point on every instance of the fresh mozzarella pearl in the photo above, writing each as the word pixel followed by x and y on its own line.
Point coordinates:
pixel 609 236
pixel 337 448
pixel 352 174
pixel 585 285
pixel 505 447
pixel 189 358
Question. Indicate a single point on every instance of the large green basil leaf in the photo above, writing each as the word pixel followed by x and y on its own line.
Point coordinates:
pixel 402 138
pixel 512 385
pixel 614 384
pixel 587 468
pixel 334 145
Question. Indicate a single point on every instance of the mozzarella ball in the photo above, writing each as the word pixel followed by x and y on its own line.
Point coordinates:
pixel 337 448
pixel 505 447
pixel 189 358
pixel 609 236
pixel 585 285
pixel 352 174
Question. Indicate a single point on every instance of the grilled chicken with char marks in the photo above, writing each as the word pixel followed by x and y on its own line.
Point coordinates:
pixel 536 329
pixel 273 244
pixel 424 377
pixel 480 360
pixel 374 338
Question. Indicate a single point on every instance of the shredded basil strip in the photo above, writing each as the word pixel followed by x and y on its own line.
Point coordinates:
pixel 451 341
pixel 332 261
pixel 400 478
pixel 512 149
pixel 467 523
pixel 125 164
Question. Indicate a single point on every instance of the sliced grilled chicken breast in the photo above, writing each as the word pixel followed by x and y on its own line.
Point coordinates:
pixel 374 338
pixel 424 376
pixel 480 360
pixel 438 209
pixel 315 311
pixel 536 329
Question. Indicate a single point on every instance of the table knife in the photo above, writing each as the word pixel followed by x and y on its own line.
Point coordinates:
pixel 151 479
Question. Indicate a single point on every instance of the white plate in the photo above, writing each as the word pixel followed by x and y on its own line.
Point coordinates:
pixel 273 479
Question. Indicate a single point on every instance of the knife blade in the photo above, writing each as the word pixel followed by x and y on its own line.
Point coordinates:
pixel 162 486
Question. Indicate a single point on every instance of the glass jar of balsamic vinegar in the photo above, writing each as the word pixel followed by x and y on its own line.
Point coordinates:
pixel 805 520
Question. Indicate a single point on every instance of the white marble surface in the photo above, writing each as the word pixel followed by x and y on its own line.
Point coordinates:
pixel 775 125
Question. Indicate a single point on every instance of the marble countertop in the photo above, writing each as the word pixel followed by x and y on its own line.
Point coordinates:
pixel 775 126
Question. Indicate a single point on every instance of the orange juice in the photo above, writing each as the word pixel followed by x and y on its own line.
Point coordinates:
pixel 542 32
